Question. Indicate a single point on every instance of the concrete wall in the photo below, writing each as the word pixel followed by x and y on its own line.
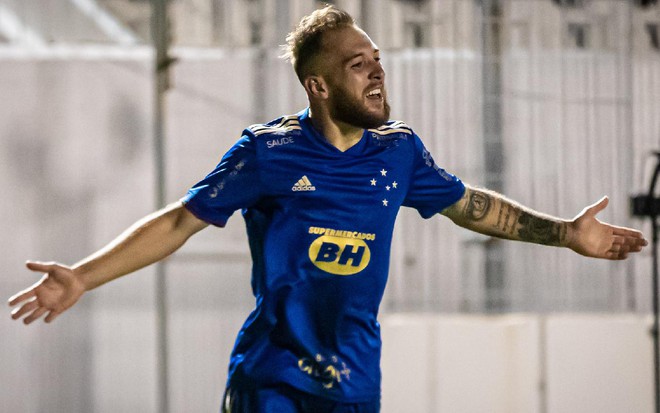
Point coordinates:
pixel 572 363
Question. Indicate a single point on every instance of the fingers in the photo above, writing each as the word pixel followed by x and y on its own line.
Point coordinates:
pixel 33 311
pixel 51 316
pixel 40 266
pixel 625 242
pixel 616 256
pixel 598 206
pixel 30 292
pixel 22 296
pixel 633 240
pixel 630 233
pixel 36 314
pixel 619 249
pixel 24 309
pixel 631 236
pixel 32 308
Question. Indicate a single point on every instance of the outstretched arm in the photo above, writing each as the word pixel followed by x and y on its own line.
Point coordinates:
pixel 147 241
pixel 492 214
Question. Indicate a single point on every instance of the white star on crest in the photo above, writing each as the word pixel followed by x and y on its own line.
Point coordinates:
pixel 373 182
pixel 383 172
pixel 384 202
pixel 394 184
pixel 387 187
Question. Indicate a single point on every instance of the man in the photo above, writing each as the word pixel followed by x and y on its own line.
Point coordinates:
pixel 326 184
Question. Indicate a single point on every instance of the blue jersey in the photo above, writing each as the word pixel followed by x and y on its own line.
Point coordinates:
pixel 319 225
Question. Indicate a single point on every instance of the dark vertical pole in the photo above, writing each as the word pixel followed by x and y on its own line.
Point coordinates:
pixel 650 209
pixel 656 305
pixel 656 312
pixel 161 40
pixel 491 39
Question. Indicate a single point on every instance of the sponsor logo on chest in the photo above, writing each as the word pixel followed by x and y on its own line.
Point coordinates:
pixel 340 252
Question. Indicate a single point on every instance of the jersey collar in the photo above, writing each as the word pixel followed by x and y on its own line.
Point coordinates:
pixel 317 137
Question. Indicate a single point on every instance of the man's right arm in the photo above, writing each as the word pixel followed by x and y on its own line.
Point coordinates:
pixel 149 240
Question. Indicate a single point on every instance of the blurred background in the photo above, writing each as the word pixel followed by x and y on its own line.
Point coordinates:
pixel 554 103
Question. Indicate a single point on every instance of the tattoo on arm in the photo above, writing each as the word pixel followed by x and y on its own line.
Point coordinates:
pixel 477 206
pixel 492 214
pixel 507 218
pixel 540 230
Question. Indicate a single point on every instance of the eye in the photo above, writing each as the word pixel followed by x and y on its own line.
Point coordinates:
pixel 357 65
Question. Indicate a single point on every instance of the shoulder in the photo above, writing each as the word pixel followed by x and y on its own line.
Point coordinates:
pixel 280 126
pixel 393 127
pixel 391 133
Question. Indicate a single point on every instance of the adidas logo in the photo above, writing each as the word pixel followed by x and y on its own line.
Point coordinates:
pixel 303 185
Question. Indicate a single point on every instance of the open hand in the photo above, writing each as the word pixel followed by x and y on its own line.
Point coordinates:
pixel 58 290
pixel 593 238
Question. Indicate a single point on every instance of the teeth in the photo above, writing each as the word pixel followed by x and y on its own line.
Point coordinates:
pixel 374 92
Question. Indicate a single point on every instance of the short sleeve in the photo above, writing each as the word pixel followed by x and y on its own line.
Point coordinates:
pixel 431 189
pixel 233 184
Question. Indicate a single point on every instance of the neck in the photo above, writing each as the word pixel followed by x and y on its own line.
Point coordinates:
pixel 339 134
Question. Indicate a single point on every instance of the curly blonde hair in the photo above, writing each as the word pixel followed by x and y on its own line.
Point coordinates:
pixel 304 42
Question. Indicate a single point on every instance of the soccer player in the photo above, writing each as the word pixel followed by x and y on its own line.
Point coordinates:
pixel 319 192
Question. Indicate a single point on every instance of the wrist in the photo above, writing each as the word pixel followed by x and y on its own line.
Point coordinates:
pixel 569 235
pixel 82 274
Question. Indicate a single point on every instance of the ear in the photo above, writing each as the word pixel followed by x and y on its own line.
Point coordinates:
pixel 316 87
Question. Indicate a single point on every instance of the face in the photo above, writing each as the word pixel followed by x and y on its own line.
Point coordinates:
pixel 355 78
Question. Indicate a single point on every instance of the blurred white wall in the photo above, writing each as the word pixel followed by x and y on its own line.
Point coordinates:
pixel 571 363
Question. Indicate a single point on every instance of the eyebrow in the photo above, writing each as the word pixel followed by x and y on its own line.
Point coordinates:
pixel 348 59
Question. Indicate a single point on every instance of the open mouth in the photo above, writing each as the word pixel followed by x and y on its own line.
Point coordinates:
pixel 375 94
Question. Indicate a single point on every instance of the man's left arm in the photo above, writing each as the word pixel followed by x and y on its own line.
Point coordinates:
pixel 490 213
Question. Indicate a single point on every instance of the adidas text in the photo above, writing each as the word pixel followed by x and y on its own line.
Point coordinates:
pixel 303 184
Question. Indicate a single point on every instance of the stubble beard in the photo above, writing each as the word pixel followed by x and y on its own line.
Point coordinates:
pixel 350 110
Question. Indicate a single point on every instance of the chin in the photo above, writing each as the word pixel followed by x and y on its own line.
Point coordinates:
pixel 361 115
pixel 374 122
pixel 382 116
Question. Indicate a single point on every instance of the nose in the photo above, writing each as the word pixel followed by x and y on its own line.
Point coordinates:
pixel 377 71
